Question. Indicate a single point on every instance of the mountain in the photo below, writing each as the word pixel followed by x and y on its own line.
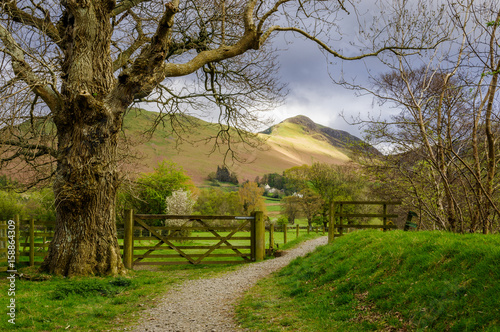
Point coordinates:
pixel 338 138
pixel 189 142
pixel 293 142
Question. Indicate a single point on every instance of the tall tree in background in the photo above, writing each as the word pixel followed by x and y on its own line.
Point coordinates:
pixel 444 136
pixel 79 65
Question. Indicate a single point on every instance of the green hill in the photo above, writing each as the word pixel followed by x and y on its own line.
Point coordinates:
pixel 190 142
pixel 293 142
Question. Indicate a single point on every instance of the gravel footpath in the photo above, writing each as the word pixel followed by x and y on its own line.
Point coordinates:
pixel 208 304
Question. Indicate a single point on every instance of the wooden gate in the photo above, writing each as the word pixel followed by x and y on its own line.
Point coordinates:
pixel 337 211
pixel 192 239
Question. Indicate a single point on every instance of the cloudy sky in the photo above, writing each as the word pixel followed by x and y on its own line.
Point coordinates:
pixel 312 92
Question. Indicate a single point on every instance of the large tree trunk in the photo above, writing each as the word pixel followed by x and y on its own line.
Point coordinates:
pixel 86 181
pixel 85 240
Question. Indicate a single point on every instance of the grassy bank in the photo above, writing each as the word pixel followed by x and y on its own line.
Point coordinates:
pixel 393 281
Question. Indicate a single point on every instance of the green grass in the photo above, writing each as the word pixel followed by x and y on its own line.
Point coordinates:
pixel 100 303
pixel 370 281
pixel 94 303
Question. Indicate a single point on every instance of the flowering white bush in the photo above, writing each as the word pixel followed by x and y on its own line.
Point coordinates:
pixel 181 202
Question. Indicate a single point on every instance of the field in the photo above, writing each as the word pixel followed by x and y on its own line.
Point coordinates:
pixel 364 281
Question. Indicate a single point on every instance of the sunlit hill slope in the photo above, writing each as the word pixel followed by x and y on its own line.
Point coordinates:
pixel 293 142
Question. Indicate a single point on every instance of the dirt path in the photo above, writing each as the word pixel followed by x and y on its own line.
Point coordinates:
pixel 208 304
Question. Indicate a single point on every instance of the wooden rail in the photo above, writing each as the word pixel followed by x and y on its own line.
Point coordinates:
pixel 341 215
pixel 178 252
pixel 285 228
pixel 33 239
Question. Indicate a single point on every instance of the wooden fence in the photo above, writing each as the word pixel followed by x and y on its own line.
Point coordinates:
pixel 31 240
pixel 293 229
pixel 177 246
pixel 4 244
pixel 337 212
pixel 143 243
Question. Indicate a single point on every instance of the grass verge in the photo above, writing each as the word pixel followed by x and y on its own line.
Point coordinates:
pixel 393 281
pixel 92 303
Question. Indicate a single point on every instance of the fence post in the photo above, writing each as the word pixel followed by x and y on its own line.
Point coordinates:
pixel 341 211
pixel 17 230
pixel 285 231
pixel 32 242
pixel 271 236
pixel 297 232
pixel 385 217
pixel 128 239
pixel 331 231
pixel 258 236
pixel 4 244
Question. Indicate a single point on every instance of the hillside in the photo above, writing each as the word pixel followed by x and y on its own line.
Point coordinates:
pixel 293 142
pixel 189 142
pixel 339 139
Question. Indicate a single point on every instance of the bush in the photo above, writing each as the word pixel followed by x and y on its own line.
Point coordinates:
pixel 282 220
pixel 149 192
pixel 9 205
pixel 217 202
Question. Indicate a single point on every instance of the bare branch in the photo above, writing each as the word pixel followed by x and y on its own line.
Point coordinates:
pixel 25 72
pixel 394 49
pixel 45 25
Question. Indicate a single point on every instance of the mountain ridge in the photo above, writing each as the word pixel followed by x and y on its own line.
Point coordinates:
pixel 338 138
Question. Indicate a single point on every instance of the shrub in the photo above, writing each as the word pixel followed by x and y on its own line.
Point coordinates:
pixel 9 205
pixel 149 192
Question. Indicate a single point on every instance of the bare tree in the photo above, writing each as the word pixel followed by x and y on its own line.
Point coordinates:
pixel 72 68
pixel 445 135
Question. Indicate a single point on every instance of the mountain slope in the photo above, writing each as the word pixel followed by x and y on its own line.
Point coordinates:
pixel 338 138
pixel 189 142
pixel 293 142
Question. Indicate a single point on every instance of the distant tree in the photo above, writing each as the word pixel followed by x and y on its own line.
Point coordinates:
pixel 218 202
pixel 282 220
pixel 39 205
pixel 9 205
pixel 297 177
pixel 336 182
pixel 224 175
pixel 290 207
pixel 310 204
pixel 274 180
pixel 251 198
pixel 181 202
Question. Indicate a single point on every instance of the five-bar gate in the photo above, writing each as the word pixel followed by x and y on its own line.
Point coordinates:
pixel 172 240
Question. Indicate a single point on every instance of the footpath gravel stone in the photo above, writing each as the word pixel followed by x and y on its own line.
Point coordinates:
pixel 208 304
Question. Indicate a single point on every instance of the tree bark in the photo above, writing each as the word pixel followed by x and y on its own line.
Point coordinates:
pixel 86 181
